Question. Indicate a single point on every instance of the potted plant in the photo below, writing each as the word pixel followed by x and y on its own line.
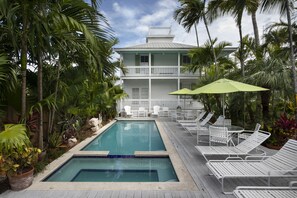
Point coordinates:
pixel 17 156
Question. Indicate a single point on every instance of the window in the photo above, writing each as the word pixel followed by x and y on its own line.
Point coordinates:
pixel 135 93
pixel 144 93
pixel 186 60
pixel 144 60
pixel 140 93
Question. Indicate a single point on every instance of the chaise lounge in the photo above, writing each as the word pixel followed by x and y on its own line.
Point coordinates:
pixel 266 191
pixel 243 148
pixel 280 165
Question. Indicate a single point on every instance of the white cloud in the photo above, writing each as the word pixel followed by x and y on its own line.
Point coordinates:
pixel 123 11
pixel 132 21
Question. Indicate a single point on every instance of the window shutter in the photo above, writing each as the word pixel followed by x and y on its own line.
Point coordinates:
pixel 152 60
pixel 137 60
pixel 181 60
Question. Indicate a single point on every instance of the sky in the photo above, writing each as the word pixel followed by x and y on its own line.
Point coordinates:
pixel 131 19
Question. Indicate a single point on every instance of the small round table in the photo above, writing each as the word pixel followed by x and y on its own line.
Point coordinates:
pixel 233 129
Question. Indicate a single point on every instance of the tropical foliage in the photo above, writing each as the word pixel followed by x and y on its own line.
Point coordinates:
pixel 55 64
pixel 268 62
pixel 16 152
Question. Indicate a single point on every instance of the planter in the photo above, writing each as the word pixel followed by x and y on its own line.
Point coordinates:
pixel 22 181
pixel 2 176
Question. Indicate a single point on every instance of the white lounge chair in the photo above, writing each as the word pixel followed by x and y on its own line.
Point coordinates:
pixel 280 165
pixel 128 111
pixel 199 125
pixel 156 110
pixel 201 128
pixel 242 149
pixel 189 115
pixel 164 112
pixel 199 117
pixel 176 115
pixel 220 120
pixel 194 125
pixel 266 191
pixel 219 135
pixel 142 112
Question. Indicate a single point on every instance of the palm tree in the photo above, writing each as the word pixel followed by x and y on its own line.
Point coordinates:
pixel 190 14
pixel 8 81
pixel 92 43
pixel 46 30
pixel 236 8
pixel 285 8
pixel 202 57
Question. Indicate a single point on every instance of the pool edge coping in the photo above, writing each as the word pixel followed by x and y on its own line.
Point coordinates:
pixel 186 181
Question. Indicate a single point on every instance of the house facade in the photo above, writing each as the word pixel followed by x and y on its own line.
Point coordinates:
pixel 154 70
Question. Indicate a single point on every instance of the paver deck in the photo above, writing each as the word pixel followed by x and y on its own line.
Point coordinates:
pixel 207 185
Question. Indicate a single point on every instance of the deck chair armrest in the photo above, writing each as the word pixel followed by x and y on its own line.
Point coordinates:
pixel 262 187
pixel 260 157
pixel 233 158
pixel 292 183
pixel 283 172
pixel 253 187
pixel 247 131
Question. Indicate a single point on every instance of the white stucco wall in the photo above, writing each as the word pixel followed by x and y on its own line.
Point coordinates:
pixel 161 88
pixel 165 59
pixel 129 59
pixel 129 84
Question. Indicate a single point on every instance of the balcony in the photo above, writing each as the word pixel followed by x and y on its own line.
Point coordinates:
pixel 157 71
pixel 170 103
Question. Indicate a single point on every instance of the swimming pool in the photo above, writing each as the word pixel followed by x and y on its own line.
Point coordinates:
pixel 125 137
pixel 97 170
pixel 114 169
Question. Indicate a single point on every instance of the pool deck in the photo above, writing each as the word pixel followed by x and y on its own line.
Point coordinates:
pixel 188 163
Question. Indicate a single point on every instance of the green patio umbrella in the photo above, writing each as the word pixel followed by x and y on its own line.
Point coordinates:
pixel 223 86
pixel 184 91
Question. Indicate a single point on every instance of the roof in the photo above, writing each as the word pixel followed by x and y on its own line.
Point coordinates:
pixel 157 46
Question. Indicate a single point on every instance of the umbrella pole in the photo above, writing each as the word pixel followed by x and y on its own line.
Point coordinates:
pixel 223 105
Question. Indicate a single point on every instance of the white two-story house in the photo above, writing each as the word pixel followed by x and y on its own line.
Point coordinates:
pixel 154 70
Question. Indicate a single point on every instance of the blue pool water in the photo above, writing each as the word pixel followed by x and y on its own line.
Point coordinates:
pixel 113 169
pixel 125 137
pixel 122 139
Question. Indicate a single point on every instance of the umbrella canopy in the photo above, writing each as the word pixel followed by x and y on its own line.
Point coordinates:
pixel 184 91
pixel 224 85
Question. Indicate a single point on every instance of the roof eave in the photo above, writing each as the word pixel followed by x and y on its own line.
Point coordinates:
pixel 151 49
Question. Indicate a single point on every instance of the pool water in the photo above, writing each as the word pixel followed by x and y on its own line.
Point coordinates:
pixel 126 137
pixel 122 139
pixel 114 169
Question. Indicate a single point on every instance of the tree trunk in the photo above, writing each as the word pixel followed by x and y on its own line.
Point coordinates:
pixel 241 49
pixel 251 113
pixel 24 50
pixel 256 30
pixel 292 59
pixel 52 118
pixel 265 96
pixel 40 98
pixel 196 32
pixel 211 44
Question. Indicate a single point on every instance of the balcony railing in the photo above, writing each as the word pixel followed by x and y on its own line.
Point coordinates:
pixel 171 104
pixel 157 71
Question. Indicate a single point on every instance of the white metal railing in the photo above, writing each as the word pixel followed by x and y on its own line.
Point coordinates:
pixel 156 71
pixel 172 104
pixel 137 71
pixel 164 71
